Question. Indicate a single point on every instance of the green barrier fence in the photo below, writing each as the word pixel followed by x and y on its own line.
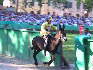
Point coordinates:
pixel 18 25
pixel 16 43
pixel 72 27
pixel 90 55
pixel 24 25
pixel 84 53
pixel 90 27
pixel 3 41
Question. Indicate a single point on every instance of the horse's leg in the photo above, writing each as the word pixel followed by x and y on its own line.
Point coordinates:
pixel 65 62
pixel 52 59
pixel 63 59
pixel 34 56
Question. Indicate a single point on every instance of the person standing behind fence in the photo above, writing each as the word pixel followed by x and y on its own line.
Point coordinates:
pixel 86 32
pixel 61 28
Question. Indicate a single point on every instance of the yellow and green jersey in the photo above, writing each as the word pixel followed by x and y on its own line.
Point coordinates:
pixel 46 28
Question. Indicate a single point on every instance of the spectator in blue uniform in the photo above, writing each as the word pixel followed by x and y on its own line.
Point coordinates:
pixel 86 32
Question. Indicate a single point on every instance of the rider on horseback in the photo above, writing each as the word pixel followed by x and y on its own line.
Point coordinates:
pixel 46 29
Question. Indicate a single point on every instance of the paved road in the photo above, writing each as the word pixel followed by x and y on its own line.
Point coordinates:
pixel 9 63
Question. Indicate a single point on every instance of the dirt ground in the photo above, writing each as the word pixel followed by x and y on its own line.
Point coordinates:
pixel 10 63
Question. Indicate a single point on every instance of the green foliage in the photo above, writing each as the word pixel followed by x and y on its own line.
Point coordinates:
pixel 69 48
pixel 40 1
pixel 88 4
pixel 78 1
pixel 69 55
pixel 62 1
pixel 1 2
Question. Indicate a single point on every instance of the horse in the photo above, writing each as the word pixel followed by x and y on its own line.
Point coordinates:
pixel 38 45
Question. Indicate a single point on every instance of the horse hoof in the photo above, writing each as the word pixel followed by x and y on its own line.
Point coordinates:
pixel 36 64
pixel 45 62
pixel 67 65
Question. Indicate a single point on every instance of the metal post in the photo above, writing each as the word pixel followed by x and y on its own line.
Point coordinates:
pixel 17 1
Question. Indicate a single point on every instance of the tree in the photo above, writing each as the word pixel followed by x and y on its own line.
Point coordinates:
pixel 62 1
pixel 88 4
pixel 59 3
pixel 49 1
pixel 40 4
pixel 17 5
pixel 1 2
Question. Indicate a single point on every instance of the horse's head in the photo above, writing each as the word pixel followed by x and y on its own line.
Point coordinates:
pixel 58 35
pixel 62 29
pixel 61 35
pixel 55 41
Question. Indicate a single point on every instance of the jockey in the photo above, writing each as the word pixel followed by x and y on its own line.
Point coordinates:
pixel 46 29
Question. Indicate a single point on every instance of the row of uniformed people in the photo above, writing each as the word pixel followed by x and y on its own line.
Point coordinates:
pixel 37 18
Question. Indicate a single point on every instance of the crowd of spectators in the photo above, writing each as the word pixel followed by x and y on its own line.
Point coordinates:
pixel 38 18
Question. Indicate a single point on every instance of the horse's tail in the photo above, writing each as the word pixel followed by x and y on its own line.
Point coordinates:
pixel 33 43
pixel 32 48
